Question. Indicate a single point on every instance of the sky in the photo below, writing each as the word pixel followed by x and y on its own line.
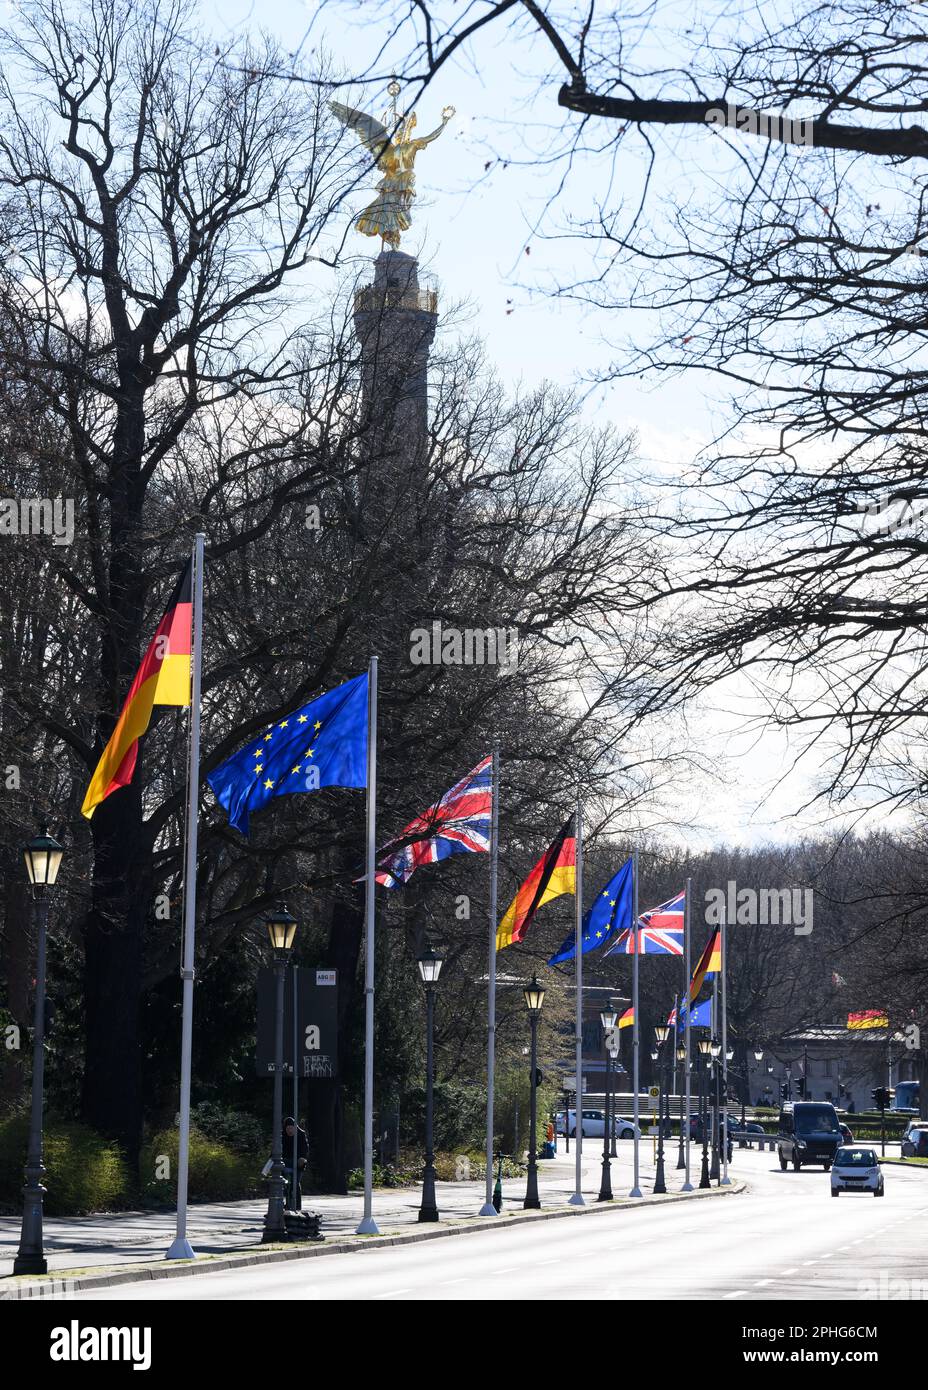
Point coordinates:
pixel 485 230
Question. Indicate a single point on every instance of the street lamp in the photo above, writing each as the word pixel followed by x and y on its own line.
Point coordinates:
pixel 608 1016
pixel 661 1033
pixel 681 1151
pixel 430 964
pixel 534 996
pixel 704 1049
pixel 42 856
pixel 715 1049
pixel 281 930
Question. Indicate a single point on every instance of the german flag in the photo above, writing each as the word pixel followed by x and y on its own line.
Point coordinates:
pixel 628 1018
pixel 868 1018
pixel 162 679
pixel 554 874
pixel 710 963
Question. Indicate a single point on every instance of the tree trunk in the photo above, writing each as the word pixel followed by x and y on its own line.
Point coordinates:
pixel 113 941
pixel 326 1104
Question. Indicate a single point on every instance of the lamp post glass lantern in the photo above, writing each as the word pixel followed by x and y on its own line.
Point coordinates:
pixel 661 1034
pixel 281 930
pixel 429 963
pixel 42 857
pixel 704 1052
pixel 534 996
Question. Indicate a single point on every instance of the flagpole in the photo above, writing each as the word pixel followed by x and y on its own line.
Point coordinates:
pixel 180 1248
pixel 636 1190
pixel 726 1180
pixel 368 1226
pixel 687 1185
pixel 488 1208
pixel 577 1199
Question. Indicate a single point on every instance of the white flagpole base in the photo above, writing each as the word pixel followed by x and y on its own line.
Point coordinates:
pixel 726 1182
pixel 368 1227
pixel 488 1209
pixel 181 1250
pixel 687 1187
pixel 635 1192
pixel 577 1200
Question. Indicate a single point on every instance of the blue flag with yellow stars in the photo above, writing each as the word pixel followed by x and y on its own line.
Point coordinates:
pixel 323 744
pixel 612 912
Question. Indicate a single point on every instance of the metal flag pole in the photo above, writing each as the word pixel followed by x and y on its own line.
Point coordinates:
pixel 488 1208
pixel 636 1190
pixel 687 1185
pixel 577 1199
pixel 368 1226
pixel 180 1247
pixel 726 1180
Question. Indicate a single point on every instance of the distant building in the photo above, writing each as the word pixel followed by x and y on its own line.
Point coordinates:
pixel 840 1064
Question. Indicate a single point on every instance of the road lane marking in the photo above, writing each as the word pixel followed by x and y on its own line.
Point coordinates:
pixel 445 1282
pixel 394 1293
pixel 511 1269
pixel 783 1273
pixel 760 1283
pixel 738 1293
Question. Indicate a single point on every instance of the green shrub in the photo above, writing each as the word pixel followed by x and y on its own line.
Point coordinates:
pixel 217 1172
pixel 85 1173
pixel 236 1129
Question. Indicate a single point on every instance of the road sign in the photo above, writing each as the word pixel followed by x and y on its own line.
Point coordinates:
pixel 653 1096
pixel 317 1023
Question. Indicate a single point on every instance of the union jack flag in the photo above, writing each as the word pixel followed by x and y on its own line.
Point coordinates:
pixel 660 931
pixel 457 824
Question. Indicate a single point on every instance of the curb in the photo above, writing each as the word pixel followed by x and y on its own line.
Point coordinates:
pixel 61 1284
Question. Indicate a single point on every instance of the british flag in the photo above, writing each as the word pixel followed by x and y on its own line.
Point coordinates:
pixel 457 824
pixel 660 931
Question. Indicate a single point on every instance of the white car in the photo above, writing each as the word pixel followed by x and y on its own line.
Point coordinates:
pixel 593 1125
pixel 856 1169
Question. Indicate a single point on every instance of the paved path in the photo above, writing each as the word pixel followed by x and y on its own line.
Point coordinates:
pixel 783 1239
pixel 218 1227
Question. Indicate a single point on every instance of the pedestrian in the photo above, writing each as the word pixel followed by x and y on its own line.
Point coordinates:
pixel 291 1128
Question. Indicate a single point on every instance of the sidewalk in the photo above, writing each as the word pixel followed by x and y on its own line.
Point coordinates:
pixel 103 1243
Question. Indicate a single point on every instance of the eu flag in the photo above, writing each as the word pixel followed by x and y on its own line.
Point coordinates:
pixel 611 913
pixel 323 744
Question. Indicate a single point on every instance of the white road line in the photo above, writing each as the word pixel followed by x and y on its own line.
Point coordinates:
pixel 557 1262
pixel 511 1269
pixel 811 1262
pixel 783 1273
pixel 760 1283
pixel 445 1282
pixel 394 1293
pixel 738 1293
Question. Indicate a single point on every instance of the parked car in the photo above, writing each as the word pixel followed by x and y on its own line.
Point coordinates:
pixel 593 1125
pixel 856 1169
pixel 915 1139
pixel 808 1132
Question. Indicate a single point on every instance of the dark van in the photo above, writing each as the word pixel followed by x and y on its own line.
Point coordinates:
pixel 808 1132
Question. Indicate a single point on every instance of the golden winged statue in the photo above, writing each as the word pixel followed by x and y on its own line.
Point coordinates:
pixel 394 147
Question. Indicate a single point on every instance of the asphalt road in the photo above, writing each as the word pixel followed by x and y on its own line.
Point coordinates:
pixel 785 1238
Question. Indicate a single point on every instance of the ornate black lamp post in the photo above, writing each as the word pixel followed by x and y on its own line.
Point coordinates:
pixel 704 1046
pixel 758 1057
pixel 608 1015
pixel 430 964
pixel 661 1033
pixel 681 1151
pixel 281 930
pixel 43 860
pixel 715 1050
pixel 534 996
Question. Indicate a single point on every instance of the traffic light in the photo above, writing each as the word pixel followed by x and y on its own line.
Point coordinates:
pixel 800 1084
pixel 539 1076
pixel 881 1097
pixel 784 1090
